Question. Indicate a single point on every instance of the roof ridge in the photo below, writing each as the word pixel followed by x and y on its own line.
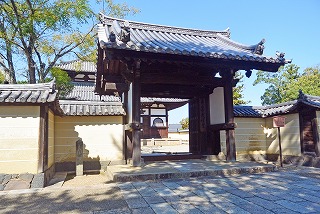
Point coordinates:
pixel 29 87
pixel 155 27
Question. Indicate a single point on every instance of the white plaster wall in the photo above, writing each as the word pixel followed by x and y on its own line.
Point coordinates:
pixel 257 135
pixel 290 136
pixel 158 111
pixel 216 101
pixel 102 137
pixel 249 135
pixel 19 136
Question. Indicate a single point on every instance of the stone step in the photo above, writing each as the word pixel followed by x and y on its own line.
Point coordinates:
pixel 184 169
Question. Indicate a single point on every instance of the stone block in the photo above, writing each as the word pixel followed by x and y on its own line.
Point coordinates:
pixel 1 187
pixel 15 184
pixel 26 177
pixel 2 177
pixel 6 179
pixel 38 181
pixel 307 160
pixel 316 162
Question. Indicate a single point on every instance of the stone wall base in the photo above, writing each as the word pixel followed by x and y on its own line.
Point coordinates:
pixel 89 166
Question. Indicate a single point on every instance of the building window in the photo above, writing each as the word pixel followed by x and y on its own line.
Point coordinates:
pixel 158 122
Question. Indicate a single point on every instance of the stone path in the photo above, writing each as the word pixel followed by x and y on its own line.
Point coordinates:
pixel 286 191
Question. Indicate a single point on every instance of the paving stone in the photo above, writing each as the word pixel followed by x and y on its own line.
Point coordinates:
pixel 26 177
pixel 113 211
pixel 136 203
pixel 266 196
pixel 253 208
pixel 289 197
pixel 171 199
pixel 185 207
pixel 17 184
pixel 284 211
pixel 241 193
pixel 294 206
pixel 269 205
pixel 313 207
pixel 209 208
pixel 154 199
pixel 230 208
pixel 1 187
pixel 147 192
pixel 125 186
pixel 171 185
pixel 308 197
pixel 145 210
pixel 163 208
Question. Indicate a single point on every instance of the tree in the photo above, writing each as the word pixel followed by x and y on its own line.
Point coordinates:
pixel 1 77
pixel 238 98
pixel 185 123
pixel 308 82
pixel 285 84
pixel 63 81
pixel 279 83
pixel 35 34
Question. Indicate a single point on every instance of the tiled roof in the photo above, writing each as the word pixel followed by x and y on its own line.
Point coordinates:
pixel 272 110
pixel 162 100
pixel 247 111
pixel 78 65
pixel 41 93
pixel 91 108
pixel 28 93
pixel 84 91
pixel 129 35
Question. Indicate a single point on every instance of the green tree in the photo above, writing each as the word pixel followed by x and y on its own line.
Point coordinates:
pixel 308 82
pixel 63 81
pixel 1 77
pixel 35 34
pixel 279 83
pixel 185 123
pixel 238 98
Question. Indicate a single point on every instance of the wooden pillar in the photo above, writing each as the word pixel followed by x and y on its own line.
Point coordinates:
pixel 229 117
pixel 136 105
pixel 43 139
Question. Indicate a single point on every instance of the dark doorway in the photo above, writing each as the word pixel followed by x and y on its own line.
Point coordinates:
pixel 308 143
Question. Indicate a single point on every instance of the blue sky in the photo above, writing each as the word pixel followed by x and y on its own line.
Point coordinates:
pixel 289 26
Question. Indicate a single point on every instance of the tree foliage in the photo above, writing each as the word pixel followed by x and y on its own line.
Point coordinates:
pixel 63 81
pixel 1 77
pixel 238 98
pixel 285 84
pixel 185 123
pixel 35 34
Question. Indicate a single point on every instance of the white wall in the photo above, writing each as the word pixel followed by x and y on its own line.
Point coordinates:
pixel 102 137
pixel 19 137
pixel 216 101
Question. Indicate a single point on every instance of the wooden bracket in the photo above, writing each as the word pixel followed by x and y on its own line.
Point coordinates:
pixel 223 126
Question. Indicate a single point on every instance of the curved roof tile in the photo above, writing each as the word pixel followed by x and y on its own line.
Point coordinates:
pixel 165 39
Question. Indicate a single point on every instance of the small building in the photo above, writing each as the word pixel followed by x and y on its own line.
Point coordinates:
pixel 257 138
pixel 27 130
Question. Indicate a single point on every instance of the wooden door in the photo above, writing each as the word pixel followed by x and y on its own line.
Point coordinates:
pixel 308 143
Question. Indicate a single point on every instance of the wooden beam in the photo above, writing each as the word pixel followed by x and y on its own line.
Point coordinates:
pixel 235 64
pixel 223 126
pixel 180 79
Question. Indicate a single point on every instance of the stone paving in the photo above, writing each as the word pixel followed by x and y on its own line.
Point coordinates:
pixel 294 190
